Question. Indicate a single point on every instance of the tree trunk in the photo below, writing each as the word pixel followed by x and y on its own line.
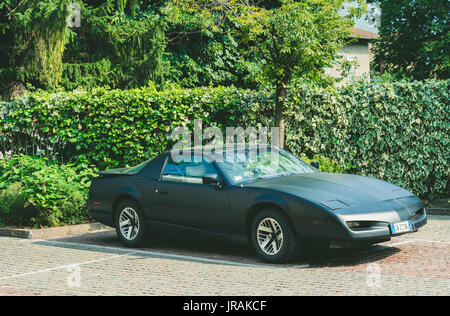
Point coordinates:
pixel 279 115
pixel 133 6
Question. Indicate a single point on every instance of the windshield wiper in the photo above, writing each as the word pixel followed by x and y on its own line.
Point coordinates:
pixel 261 178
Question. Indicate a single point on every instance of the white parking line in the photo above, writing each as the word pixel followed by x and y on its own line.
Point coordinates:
pixel 428 240
pixel 167 255
pixel 65 266
pixel 401 243
pixel 404 241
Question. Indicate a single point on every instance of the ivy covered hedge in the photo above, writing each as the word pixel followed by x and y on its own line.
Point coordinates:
pixel 396 131
pixel 399 132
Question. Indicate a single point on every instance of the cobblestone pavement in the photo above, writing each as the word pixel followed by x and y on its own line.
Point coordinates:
pixel 96 264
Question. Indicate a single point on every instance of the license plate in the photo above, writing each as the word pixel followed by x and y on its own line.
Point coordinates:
pixel 402 227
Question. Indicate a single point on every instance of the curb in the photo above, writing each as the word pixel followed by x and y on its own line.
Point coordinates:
pixel 438 211
pixel 53 232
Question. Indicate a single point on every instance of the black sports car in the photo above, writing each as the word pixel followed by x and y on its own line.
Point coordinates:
pixel 268 198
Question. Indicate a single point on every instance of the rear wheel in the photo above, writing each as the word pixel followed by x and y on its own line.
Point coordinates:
pixel 273 236
pixel 130 224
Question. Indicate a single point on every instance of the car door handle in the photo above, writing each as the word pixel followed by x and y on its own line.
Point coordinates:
pixel 163 192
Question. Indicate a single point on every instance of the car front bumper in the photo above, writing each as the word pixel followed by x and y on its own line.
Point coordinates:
pixel 375 220
pixel 381 229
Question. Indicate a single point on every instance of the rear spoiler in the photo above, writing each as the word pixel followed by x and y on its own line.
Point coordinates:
pixel 115 173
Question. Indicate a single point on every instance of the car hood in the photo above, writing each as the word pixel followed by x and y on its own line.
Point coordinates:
pixel 335 191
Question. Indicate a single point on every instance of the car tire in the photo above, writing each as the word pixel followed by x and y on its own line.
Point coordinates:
pixel 130 223
pixel 273 237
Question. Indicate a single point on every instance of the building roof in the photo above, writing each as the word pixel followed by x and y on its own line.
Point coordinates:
pixel 358 33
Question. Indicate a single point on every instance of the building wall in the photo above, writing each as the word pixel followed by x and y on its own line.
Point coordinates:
pixel 358 51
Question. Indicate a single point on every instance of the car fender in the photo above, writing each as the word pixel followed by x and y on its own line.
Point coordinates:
pixel 268 198
pixel 264 200
pixel 307 217
pixel 123 192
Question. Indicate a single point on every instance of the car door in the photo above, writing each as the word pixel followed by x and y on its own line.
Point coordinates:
pixel 181 197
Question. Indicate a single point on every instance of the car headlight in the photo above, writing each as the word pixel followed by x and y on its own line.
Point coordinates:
pixel 366 225
pixel 354 224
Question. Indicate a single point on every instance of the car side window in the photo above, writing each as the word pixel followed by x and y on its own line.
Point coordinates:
pixel 190 171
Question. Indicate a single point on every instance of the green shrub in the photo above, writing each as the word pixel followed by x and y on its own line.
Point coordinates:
pixel 15 209
pixel 47 194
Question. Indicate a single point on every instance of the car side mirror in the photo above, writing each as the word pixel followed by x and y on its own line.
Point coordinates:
pixel 315 164
pixel 210 179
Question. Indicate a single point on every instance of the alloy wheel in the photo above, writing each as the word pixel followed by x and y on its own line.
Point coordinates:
pixel 269 236
pixel 129 223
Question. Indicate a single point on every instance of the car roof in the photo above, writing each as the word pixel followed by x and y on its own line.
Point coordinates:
pixel 223 148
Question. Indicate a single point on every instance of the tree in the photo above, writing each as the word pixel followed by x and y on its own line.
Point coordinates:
pixel 33 38
pixel 414 37
pixel 295 40
pixel 199 55
pixel 120 44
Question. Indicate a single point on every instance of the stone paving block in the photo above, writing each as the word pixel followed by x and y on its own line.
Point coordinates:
pixel 416 264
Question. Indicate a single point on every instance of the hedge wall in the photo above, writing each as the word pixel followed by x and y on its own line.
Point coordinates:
pixel 395 131
pixel 398 132
pixel 112 128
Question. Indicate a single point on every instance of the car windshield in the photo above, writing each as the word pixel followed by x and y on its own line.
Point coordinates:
pixel 243 166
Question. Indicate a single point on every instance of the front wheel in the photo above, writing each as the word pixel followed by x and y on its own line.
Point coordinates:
pixel 130 225
pixel 273 237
